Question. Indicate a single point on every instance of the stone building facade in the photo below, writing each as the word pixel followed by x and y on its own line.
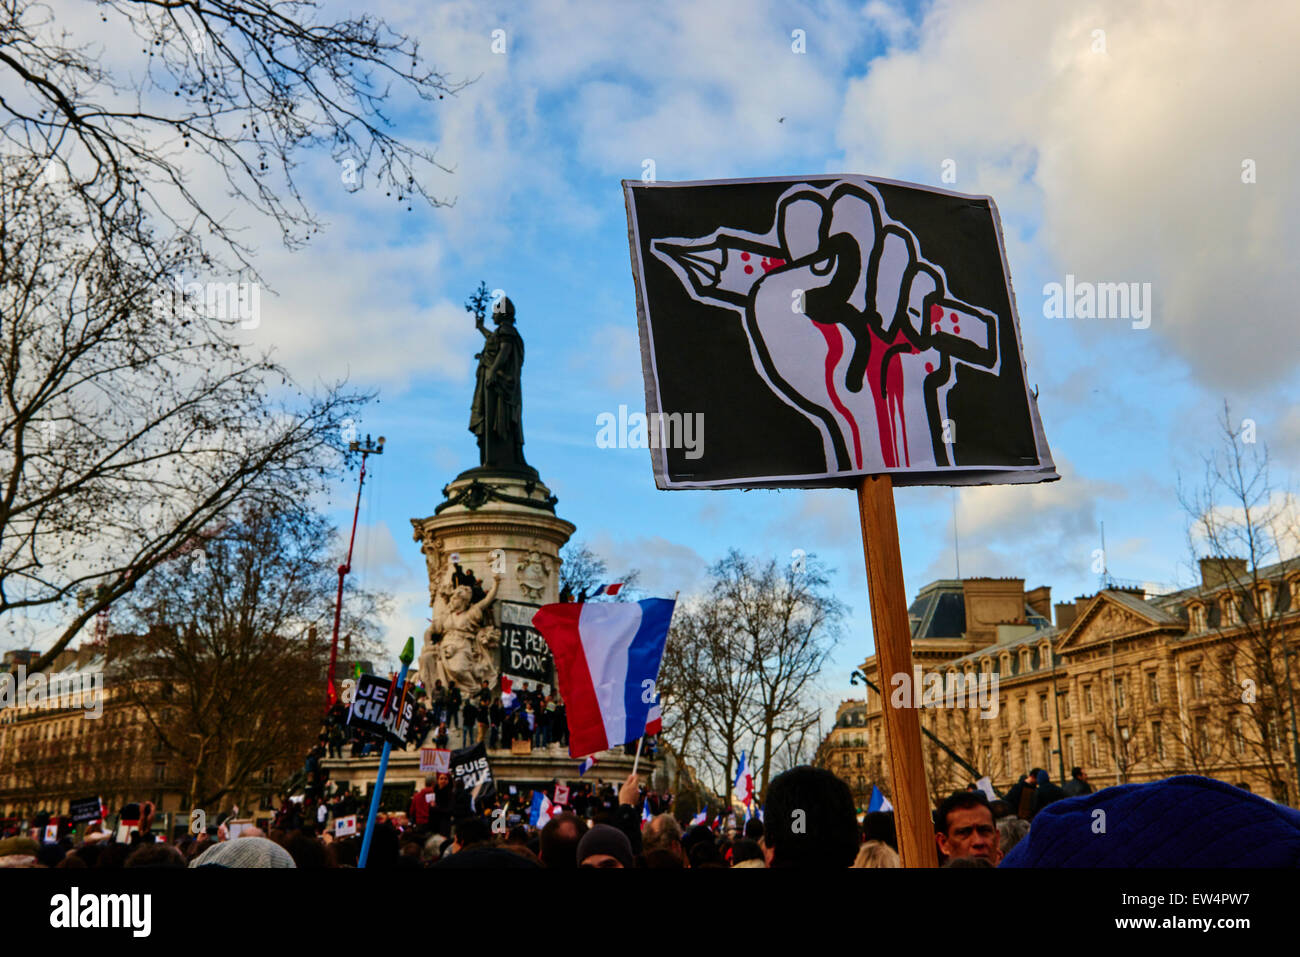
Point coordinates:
pixel 1127 686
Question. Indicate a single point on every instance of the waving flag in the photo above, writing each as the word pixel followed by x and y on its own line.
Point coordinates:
pixel 540 813
pixel 607 658
pixel 613 589
pixel 743 789
pixel 700 818
pixel 586 765
pixel 878 801
pixel 645 814
pixel 508 697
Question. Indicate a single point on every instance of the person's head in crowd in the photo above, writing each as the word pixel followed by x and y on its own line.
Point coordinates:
pixel 559 841
pixel 697 834
pixel 444 780
pixel 245 852
pixel 346 852
pixel 705 854
pixel 72 861
pixel 809 820
pixel 432 848
pixel 747 853
pixel 1010 831
pixel 518 836
pixel 1001 809
pixel 471 832
pixel 156 856
pixel 663 833
pixel 876 854
pixel 19 852
pixel 754 829
pixel 880 826
pixel 1079 774
pixel 968 862
pixel 604 846
pixel 308 853
pixel 964 827
pixel 430 780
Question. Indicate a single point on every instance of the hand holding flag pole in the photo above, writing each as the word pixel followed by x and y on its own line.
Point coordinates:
pixel 408 655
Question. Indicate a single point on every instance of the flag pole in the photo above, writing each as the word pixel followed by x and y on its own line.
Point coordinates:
pixel 408 655
pixel 893 635
pixel 637 759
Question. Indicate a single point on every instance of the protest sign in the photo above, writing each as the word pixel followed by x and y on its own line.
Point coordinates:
pixel 806 331
pixel 85 809
pixel 51 834
pixel 561 794
pixel 345 826
pixel 470 766
pixel 435 760
pixel 369 711
pixel 525 656
pixel 834 331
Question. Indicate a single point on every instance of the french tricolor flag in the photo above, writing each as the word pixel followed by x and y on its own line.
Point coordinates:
pixel 586 765
pixel 607 658
pixel 700 818
pixel 613 589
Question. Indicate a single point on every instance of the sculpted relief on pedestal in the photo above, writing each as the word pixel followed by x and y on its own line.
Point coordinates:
pixel 461 645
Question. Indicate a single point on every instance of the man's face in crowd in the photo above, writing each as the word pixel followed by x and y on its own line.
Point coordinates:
pixel 601 860
pixel 971 833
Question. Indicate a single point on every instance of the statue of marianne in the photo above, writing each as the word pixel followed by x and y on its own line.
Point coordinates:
pixel 497 414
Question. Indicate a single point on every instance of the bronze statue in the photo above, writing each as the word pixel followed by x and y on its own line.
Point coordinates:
pixel 497 415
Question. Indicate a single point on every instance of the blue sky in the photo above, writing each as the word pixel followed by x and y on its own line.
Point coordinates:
pixel 1112 135
pixel 1115 164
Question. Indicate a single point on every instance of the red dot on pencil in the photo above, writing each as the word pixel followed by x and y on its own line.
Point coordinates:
pixel 956 330
pixel 929 367
pixel 745 256
pixel 953 317
pixel 749 269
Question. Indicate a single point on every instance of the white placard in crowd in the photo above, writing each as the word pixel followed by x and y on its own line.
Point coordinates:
pixel 435 760
pixel 345 826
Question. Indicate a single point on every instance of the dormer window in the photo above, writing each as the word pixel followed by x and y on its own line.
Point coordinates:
pixel 1228 613
pixel 1265 598
pixel 1024 660
pixel 1196 617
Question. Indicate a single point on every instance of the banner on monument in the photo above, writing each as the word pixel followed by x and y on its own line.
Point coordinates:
pixel 825 328
pixel 435 760
pixel 524 654
pixel 370 710
pixel 470 767
pixel 85 809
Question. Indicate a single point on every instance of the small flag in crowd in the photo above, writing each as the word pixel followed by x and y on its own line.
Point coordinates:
pixel 587 764
pixel 540 814
pixel 645 814
pixel 507 693
pixel 878 801
pixel 700 818
pixel 743 789
pixel 607 659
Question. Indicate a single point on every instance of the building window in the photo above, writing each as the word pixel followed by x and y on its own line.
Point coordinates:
pixel 1157 741
pixel 1238 739
pixel 1087 699
pixel 1047 751
pixel 1198 686
pixel 1119 693
pixel 1023 709
pixel 1265 601
pixel 1094 758
pixel 859 760
pixel 1203 736
pixel 845 762
pixel 1024 755
pixel 1024 660
pixel 159 773
pixel 988 759
pixel 1065 703
pixel 1275 733
pixel 268 774
pixel 1153 688
pixel 1069 749
pixel 1196 617
pixel 1042 707
pixel 1229 614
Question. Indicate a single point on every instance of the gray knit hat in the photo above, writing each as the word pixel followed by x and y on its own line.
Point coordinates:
pixel 603 839
pixel 244 852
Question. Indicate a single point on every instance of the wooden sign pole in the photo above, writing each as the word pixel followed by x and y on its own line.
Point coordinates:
pixel 915 827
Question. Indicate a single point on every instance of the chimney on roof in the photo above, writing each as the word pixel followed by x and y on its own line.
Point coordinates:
pixel 1040 600
pixel 1066 612
pixel 1221 570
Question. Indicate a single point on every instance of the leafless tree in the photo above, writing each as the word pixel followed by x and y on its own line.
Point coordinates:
pixel 582 571
pixel 1245 522
pixel 131 418
pixel 228 671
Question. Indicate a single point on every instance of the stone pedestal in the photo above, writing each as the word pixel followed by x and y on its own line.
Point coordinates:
pixel 497 521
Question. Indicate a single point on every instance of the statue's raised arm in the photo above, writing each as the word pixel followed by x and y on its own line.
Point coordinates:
pixel 483 605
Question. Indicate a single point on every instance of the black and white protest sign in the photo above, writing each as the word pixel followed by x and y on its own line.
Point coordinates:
pixel 85 809
pixel 470 766
pixel 525 656
pixel 811 331
pixel 369 713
